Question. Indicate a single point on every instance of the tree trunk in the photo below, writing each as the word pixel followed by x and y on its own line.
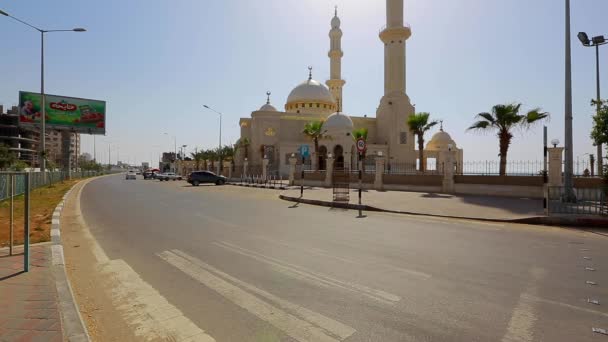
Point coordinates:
pixel 421 152
pixel 505 141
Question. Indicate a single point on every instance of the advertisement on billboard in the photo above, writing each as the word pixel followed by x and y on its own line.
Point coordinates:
pixel 62 112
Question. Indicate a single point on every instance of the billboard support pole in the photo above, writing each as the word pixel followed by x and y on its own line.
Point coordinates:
pixel 43 109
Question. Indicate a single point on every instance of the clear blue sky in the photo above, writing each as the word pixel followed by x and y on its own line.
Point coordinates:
pixel 157 62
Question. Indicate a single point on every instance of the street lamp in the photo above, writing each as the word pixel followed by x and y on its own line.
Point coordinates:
pixel 42 95
pixel 568 184
pixel 220 114
pixel 596 42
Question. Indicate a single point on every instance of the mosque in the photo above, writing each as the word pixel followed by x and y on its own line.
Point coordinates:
pixel 277 135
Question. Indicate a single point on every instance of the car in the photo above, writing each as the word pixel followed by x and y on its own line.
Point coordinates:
pixel 148 175
pixel 138 172
pixel 199 177
pixel 167 176
pixel 131 175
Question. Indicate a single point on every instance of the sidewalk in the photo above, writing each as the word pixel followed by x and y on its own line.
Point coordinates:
pixel 29 309
pixel 433 204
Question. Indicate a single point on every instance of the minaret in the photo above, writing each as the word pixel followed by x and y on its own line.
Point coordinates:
pixel 394 36
pixel 335 83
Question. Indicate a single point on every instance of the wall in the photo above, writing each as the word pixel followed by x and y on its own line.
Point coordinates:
pixel 421 180
pixel 587 182
pixel 500 180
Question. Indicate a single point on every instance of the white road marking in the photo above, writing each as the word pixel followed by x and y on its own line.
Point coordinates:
pixel 408 271
pixel 315 278
pixel 146 309
pixel 142 307
pixel 524 317
pixel 296 328
pixel 569 306
pixel 336 328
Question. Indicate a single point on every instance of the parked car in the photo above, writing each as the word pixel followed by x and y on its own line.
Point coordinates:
pixel 167 176
pixel 131 175
pixel 199 177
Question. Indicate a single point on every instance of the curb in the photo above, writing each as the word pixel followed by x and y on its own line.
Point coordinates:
pixel 260 186
pixel 71 320
pixel 581 222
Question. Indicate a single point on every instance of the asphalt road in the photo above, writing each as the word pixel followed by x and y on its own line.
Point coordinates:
pixel 242 265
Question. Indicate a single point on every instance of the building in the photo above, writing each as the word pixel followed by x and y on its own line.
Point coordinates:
pixel 20 140
pixel 277 135
pixel 54 148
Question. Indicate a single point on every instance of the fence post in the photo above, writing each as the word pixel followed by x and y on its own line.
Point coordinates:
pixel 26 224
pixel 448 172
pixel 265 163
pixel 11 182
pixel 555 166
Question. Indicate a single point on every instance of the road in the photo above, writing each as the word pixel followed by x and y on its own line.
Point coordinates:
pixel 238 264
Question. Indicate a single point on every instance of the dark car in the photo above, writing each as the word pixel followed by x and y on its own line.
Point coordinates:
pixel 199 177
pixel 148 175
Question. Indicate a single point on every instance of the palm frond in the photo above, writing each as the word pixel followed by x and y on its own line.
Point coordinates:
pixel 479 125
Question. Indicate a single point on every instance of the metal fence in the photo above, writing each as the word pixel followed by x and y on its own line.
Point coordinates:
pixel 492 167
pixel 38 180
pixel 583 201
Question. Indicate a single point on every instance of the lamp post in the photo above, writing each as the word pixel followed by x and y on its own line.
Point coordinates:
pixel 220 114
pixel 219 150
pixel 568 107
pixel 596 42
pixel 42 95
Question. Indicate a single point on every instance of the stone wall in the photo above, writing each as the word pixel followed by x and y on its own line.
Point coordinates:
pixel 500 180
pixel 420 180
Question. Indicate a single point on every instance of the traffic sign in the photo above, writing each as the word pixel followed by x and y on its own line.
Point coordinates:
pixel 361 145
pixel 304 151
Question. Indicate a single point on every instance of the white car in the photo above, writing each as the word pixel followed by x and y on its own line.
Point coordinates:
pixel 167 176
pixel 131 175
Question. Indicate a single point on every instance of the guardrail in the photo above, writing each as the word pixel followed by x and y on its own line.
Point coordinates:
pixel 38 179
pixel 578 201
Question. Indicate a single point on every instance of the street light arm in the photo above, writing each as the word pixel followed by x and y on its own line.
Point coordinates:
pixel 21 21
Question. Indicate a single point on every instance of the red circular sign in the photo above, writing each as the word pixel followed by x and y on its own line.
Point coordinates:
pixel 360 145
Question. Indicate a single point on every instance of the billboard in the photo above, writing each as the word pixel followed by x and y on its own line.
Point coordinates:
pixel 62 112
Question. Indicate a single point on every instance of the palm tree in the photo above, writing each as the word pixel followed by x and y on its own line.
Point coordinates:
pixel 419 124
pixel 242 144
pixel 314 130
pixel 503 119
pixel 197 156
pixel 212 155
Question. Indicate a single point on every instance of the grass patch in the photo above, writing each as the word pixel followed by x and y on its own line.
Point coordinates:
pixel 42 204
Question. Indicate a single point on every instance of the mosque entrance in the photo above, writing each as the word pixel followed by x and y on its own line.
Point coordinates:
pixel 273 165
pixel 339 155
pixel 322 162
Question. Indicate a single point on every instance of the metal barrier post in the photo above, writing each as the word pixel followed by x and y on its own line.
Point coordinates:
pixel 26 224
pixel 11 182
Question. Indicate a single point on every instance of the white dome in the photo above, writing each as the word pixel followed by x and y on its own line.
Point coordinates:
pixel 310 91
pixel 267 107
pixel 440 141
pixel 338 124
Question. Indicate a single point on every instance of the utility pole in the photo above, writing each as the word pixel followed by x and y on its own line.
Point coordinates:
pixel 568 108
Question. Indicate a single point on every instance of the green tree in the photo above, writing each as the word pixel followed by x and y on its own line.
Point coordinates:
pixel 213 157
pixel 419 124
pixel 243 144
pixel 599 132
pixel 198 157
pixel 504 119
pixel 7 157
pixel 314 131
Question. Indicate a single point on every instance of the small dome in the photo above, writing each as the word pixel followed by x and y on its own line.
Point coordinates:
pixel 440 141
pixel 338 124
pixel 310 91
pixel 267 107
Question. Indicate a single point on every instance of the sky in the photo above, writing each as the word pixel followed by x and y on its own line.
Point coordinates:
pixel 157 62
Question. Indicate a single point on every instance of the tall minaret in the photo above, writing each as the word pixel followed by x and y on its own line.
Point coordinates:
pixel 394 36
pixel 335 83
